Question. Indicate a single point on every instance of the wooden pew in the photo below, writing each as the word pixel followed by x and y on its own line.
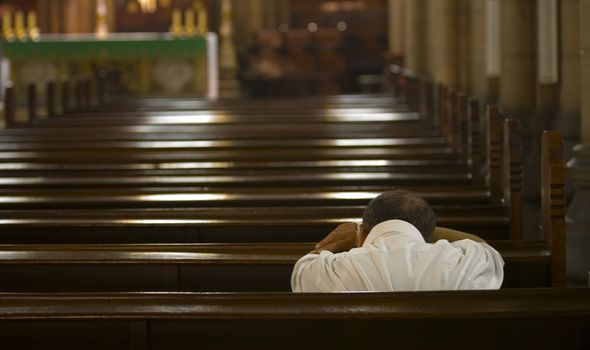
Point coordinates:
pixel 201 267
pixel 9 107
pixel 256 267
pixel 250 179
pixel 410 143
pixel 544 318
pixel 137 106
pixel 221 224
pixel 29 226
pixel 21 199
pixel 539 318
pixel 220 132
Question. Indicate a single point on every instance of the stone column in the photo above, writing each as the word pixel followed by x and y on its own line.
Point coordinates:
pixel 477 82
pixel 248 20
pixel 442 40
pixel 578 227
pixel 568 120
pixel 493 49
pixel 517 78
pixel 79 16
pixel 396 28
pixel 547 77
pixel 517 87
pixel 415 33
pixel 585 68
pixel 463 44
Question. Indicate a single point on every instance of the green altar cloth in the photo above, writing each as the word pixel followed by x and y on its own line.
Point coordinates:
pixel 138 63
pixel 114 46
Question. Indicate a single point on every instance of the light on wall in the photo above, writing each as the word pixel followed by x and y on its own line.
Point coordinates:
pixel 148 6
pixel 547 48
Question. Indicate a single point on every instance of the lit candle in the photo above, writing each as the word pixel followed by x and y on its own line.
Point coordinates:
pixel 32 25
pixel 32 19
pixel 176 28
pixel 7 31
pixel 19 26
pixel 189 22
pixel 6 20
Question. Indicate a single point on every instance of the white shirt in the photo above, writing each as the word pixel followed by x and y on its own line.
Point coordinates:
pixel 394 257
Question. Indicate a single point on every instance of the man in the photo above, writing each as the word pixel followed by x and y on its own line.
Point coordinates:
pixel 389 252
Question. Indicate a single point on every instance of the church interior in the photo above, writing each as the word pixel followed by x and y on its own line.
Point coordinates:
pixel 165 163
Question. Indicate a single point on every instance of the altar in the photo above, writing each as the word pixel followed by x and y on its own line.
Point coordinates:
pixel 133 63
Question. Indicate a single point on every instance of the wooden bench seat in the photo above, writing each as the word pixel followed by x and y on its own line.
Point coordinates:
pixel 200 267
pixel 239 180
pixel 9 169
pixel 177 133
pixel 222 224
pixel 407 142
pixel 308 102
pixel 362 153
pixel 174 117
pixel 161 197
pixel 242 131
pixel 539 318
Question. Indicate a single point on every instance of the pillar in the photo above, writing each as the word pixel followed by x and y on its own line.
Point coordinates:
pixel 568 120
pixel 517 76
pixel 477 81
pixel 79 16
pixel 493 49
pixel 585 69
pixel 396 28
pixel 415 34
pixel 248 20
pixel 578 221
pixel 442 40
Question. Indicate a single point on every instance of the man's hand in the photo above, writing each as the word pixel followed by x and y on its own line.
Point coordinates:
pixel 453 235
pixel 342 239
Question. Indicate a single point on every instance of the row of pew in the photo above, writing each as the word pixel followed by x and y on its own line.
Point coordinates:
pixel 174 223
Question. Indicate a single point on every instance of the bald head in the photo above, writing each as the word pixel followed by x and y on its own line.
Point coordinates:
pixel 401 205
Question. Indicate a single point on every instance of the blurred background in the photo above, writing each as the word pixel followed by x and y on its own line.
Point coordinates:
pixel 281 47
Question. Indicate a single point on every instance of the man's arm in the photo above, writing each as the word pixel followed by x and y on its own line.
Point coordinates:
pixel 315 271
pixel 453 235
pixel 342 239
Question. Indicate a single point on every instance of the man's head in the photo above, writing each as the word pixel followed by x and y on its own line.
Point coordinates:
pixel 400 205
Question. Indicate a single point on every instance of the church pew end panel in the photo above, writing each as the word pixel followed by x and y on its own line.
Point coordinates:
pixel 553 203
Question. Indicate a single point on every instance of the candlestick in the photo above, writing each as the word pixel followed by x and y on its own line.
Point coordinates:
pixel 189 22
pixel 176 28
pixel 7 30
pixel 34 32
pixel 19 26
pixel 102 26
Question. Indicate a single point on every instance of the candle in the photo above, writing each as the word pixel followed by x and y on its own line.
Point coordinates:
pixel 32 25
pixel 189 22
pixel 19 26
pixel 32 19
pixel 7 31
pixel 176 28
